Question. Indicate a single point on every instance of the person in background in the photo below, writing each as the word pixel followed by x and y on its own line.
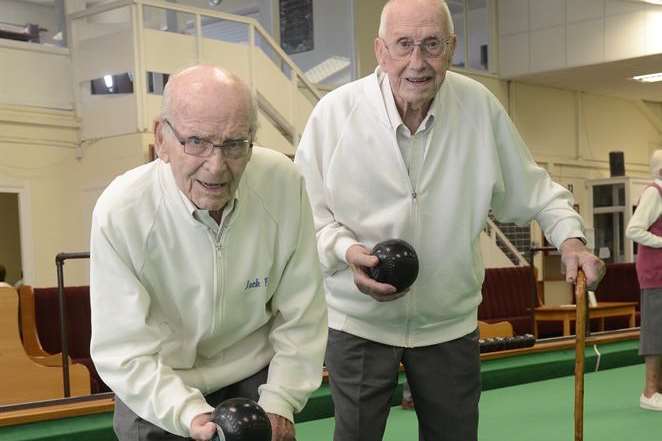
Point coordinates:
pixel 645 228
pixel 3 274
pixel 19 282
pixel 204 279
pixel 416 152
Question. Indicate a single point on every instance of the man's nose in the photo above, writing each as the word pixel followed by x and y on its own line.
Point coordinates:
pixel 416 59
pixel 216 161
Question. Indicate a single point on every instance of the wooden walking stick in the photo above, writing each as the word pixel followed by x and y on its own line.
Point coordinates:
pixel 581 321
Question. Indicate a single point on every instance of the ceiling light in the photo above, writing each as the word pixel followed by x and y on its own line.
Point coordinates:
pixel 649 78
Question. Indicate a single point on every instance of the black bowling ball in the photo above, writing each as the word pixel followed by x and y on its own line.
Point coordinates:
pixel 242 419
pixel 398 264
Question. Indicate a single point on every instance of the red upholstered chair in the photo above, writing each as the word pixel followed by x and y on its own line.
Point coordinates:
pixel 508 295
pixel 47 312
pixel 620 284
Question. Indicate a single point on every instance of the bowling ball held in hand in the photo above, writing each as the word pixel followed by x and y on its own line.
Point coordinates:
pixel 398 264
pixel 241 419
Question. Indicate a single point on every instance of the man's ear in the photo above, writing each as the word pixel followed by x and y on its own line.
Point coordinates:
pixel 159 142
pixel 380 51
pixel 453 45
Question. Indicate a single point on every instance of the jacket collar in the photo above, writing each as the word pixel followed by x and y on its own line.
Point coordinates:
pixel 373 97
pixel 180 201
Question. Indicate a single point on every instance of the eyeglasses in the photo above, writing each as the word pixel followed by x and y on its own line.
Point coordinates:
pixel 430 47
pixel 202 148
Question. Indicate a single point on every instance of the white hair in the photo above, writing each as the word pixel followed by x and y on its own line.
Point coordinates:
pixel 656 163
pixel 443 9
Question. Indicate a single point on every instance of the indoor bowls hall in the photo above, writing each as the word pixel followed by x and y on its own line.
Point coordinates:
pixel 578 87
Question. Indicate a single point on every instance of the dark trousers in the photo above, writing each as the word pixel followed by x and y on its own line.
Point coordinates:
pixel 130 427
pixel 444 381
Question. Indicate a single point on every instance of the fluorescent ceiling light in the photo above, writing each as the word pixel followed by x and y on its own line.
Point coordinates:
pixel 649 78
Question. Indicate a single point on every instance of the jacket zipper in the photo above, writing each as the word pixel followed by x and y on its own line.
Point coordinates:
pixel 414 184
pixel 218 282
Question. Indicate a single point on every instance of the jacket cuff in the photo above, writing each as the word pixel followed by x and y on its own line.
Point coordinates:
pixel 342 244
pixel 191 411
pixel 567 229
pixel 272 403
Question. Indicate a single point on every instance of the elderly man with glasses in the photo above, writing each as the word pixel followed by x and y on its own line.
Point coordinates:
pixel 418 153
pixel 205 281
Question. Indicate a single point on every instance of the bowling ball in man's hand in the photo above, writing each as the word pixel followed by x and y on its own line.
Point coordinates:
pixel 398 264
pixel 241 419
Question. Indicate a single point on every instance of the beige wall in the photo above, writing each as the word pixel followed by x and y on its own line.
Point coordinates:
pixel 22 75
pixel 10 244
pixel 366 23
pixel 61 183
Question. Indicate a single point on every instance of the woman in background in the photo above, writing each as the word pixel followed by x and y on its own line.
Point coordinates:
pixel 645 228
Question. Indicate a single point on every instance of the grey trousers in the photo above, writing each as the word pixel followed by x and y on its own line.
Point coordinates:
pixel 130 427
pixel 444 381
pixel 650 335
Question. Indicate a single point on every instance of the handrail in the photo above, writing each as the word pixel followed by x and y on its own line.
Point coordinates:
pixel 286 58
pixel 495 232
pixel 207 13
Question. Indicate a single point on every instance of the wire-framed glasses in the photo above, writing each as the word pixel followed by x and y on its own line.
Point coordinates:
pixel 203 148
pixel 432 47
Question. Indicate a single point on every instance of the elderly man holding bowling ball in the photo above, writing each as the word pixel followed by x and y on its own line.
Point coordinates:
pixel 418 153
pixel 205 282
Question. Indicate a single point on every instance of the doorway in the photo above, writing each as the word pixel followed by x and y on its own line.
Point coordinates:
pixel 10 237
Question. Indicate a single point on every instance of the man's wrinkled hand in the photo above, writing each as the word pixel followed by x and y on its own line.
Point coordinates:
pixel 202 427
pixel 358 258
pixel 282 429
pixel 575 256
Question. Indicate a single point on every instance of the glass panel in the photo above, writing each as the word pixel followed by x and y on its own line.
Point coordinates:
pixel 620 194
pixel 478 35
pixel 156 81
pixel 609 236
pixel 603 196
pixel 604 241
pixel 166 20
pixel 112 84
pixel 457 12
pixel 619 232
pixel 25 21
pixel 224 30
pixel 262 43
pixel 320 39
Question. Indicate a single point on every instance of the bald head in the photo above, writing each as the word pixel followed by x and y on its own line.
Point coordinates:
pixel 656 163
pixel 204 90
pixel 392 6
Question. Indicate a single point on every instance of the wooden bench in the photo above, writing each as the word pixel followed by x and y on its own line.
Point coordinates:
pixel 21 378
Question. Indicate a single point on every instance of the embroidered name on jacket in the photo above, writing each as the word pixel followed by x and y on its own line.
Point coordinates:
pixel 257 283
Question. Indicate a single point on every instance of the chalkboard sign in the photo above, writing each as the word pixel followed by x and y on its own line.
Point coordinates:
pixel 296 26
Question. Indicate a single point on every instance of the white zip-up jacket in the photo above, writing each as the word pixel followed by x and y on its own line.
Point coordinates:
pixel 360 192
pixel 177 314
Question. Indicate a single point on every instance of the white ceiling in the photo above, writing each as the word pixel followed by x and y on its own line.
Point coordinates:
pixel 613 79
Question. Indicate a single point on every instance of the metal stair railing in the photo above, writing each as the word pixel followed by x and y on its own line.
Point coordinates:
pixel 499 240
